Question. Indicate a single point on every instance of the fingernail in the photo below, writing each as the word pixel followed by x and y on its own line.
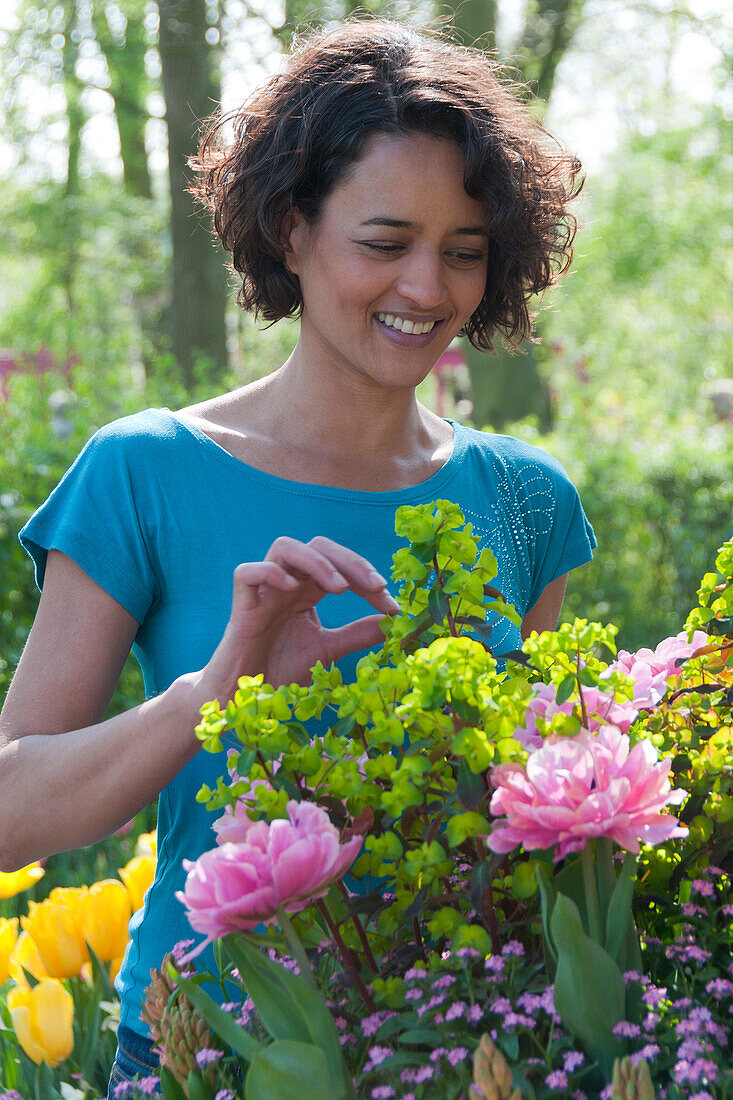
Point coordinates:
pixel 377 578
pixel 293 582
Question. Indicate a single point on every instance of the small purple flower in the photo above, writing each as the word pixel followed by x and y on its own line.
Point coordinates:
pixel 414 973
pixel 501 1005
pixel 148 1085
pixel 653 995
pixel 414 995
pixel 122 1089
pixel 719 988
pixel 225 1094
pixel 702 887
pixel 12 1095
pixel 207 1056
pixel 572 1060
pixel 445 982
pixel 650 1051
pixel 624 1029
pixel 632 976
pixel 475 1013
pixel 691 910
pixel 423 1073
pixel 437 1054
pixel 382 1092
pixel 468 953
pixel 458 1008
pixel 514 947
pixel 494 964
pixel 557 1079
pixel 727 910
pixel 377 1055
pixel 458 1054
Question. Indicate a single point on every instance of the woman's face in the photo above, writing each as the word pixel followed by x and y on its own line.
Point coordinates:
pixel 398 246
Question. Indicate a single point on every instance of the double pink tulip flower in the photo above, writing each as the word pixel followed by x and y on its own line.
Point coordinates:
pixel 259 866
pixel 576 788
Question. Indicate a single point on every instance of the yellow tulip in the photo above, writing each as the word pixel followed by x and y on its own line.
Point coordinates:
pixel 8 940
pixel 137 876
pixel 56 928
pixel 25 956
pixel 105 914
pixel 114 967
pixel 43 1018
pixel 147 844
pixel 14 882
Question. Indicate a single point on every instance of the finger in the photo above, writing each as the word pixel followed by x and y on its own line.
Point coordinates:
pixel 306 561
pixel 248 578
pixel 361 634
pixel 356 568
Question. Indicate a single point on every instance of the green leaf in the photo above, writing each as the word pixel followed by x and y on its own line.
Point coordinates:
pixel 589 989
pixel 438 604
pixel 169 1086
pixel 197 1090
pixel 422 1036
pixel 262 978
pixel 480 880
pixel 548 894
pixel 102 984
pixel 318 1019
pixel 462 826
pixel 565 688
pixel 619 909
pixel 287 1070
pixel 220 1021
pixel 469 787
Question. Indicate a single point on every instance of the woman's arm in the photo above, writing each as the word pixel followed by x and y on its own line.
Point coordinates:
pixel 545 613
pixel 69 778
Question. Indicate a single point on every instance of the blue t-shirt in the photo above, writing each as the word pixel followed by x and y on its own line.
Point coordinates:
pixel 159 515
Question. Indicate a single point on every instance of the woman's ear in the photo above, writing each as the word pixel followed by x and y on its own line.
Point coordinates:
pixel 292 228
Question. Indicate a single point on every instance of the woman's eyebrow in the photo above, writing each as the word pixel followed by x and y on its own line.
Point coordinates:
pixel 397 223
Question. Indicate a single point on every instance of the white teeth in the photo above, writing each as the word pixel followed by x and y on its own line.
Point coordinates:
pixel 416 328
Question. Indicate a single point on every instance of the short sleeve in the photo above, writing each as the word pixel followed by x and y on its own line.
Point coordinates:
pixel 96 516
pixel 567 540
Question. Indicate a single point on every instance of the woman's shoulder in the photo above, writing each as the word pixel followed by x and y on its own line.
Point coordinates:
pixel 519 458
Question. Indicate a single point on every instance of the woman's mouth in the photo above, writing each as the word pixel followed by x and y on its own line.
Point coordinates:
pixel 405 332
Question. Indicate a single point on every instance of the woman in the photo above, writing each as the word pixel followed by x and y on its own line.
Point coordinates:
pixel 388 188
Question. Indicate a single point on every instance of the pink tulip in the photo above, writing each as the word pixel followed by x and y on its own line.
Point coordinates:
pixel 577 788
pixel 287 863
pixel 307 856
pixel 651 669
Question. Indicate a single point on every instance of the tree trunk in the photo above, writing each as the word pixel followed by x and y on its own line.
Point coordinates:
pixel 70 203
pixel 191 88
pixel 508 386
pixel 124 52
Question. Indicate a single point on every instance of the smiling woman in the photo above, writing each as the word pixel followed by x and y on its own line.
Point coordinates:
pixel 389 189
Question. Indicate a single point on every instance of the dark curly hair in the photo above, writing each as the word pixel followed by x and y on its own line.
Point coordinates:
pixel 300 132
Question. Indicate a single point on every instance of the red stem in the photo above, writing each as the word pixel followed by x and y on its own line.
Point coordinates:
pixel 346 956
pixel 361 932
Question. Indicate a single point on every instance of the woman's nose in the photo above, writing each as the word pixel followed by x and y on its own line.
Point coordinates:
pixel 422 279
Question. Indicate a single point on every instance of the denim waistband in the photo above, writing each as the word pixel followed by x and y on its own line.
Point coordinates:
pixel 135 1057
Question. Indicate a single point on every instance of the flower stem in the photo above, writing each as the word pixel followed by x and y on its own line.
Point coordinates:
pixel 591 894
pixel 294 942
pixel 361 932
pixel 346 956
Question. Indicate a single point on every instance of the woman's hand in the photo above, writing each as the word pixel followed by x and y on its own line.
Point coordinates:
pixel 274 629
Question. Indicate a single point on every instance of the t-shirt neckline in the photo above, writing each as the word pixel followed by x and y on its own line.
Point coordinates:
pixel 430 486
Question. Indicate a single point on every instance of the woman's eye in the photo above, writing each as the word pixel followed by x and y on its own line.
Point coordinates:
pixel 390 249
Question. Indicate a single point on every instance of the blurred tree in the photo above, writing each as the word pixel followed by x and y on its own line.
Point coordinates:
pixel 508 386
pixel 192 88
pixel 122 38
